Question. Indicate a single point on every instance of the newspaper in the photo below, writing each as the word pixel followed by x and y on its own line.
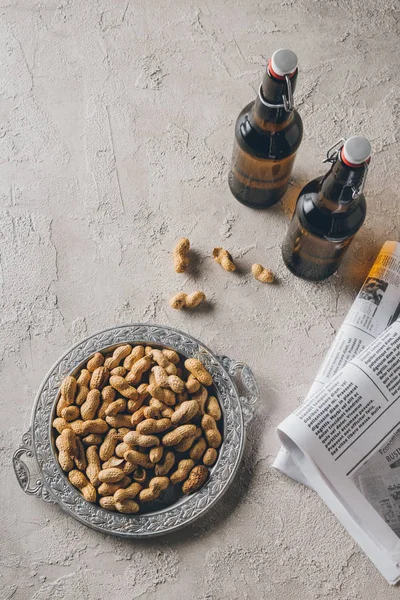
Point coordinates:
pixel 345 438
pixel 375 308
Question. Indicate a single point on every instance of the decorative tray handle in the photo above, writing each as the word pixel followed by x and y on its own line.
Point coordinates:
pixel 246 384
pixel 23 473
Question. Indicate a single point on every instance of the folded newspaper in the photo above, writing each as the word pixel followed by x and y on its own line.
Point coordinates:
pixel 344 440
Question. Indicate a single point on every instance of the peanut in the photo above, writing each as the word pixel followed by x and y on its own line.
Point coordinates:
pixel 93 426
pixel 197 451
pixel 119 371
pixel 80 481
pixel 80 458
pixel 60 424
pixel 68 390
pixel 93 439
pixel 137 416
pixel 118 355
pixel 223 257
pixel 162 394
pixel 129 492
pixel 198 370
pixel 159 357
pixel 134 405
pixel 129 467
pixel 108 396
pixel 149 426
pixel 107 448
pixel 164 380
pixel 192 384
pixel 96 361
pixel 213 408
pixel 183 470
pixel 183 300
pixel 99 378
pixel 156 486
pixel 108 502
pixel 122 431
pixel 134 438
pixel 115 407
pixel 108 489
pixel 138 458
pixel 77 427
pixel 156 454
pixel 188 442
pixel 111 475
pixel 84 378
pixel 141 366
pixel 136 354
pixel 171 355
pixel 120 420
pixel 121 449
pixel 171 369
pixel 180 254
pixel 197 477
pixel 164 467
pixel 93 469
pixel 201 398
pixel 177 435
pixel 83 383
pixel 166 411
pixel 70 413
pixel 151 412
pixel 90 406
pixel 185 412
pixel 211 432
pixel 127 507
pixel 66 444
pixel 210 457
pixel 123 387
pixel 262 274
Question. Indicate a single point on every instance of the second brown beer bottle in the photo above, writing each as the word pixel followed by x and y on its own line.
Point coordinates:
pixel 329 212
pixel 268 133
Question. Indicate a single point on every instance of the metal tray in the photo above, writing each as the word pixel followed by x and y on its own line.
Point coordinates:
pixel 237 392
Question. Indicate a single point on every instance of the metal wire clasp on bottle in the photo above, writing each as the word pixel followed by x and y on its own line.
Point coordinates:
pixel 332 155
pixel 287 100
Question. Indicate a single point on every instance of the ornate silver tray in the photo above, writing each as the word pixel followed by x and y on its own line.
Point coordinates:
pixel 237 393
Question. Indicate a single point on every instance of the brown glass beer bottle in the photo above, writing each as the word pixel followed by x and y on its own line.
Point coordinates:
pixel 329 212
pixel 268 133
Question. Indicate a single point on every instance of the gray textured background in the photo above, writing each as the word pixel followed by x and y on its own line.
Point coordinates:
pixel 115 139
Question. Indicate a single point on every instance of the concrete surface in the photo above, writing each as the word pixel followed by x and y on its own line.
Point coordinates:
pixel 116 133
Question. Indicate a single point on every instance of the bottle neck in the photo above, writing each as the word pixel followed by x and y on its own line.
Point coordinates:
pixel 272 91
pixel 338 185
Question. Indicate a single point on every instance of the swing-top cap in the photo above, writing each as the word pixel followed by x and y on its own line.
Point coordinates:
pixel 356 151
pixel 283 62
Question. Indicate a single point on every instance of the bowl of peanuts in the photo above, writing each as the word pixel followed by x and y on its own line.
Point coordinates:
pixel 137 430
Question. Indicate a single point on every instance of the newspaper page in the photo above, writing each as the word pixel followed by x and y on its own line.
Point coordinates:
pixel 375 308
pixel 345 439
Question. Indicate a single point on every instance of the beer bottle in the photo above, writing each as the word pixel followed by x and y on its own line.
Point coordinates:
pixel 329 212
pixel 268 133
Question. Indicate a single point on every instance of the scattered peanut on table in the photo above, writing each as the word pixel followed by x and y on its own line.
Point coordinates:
pixel 262 274
pixel 135 421
pixel 183 300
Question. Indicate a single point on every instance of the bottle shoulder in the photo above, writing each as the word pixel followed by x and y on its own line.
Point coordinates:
pixel 279 141
pixel 325 219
